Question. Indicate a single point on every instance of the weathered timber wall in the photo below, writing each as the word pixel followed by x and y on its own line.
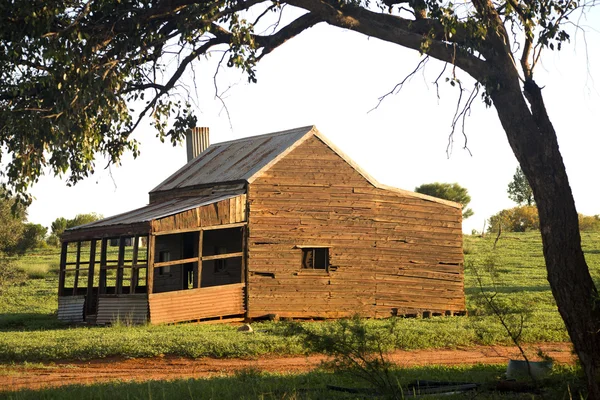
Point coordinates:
pixel 197 304
pixel 70 308
pixel 389 252
pixel 223 212
pixel 126 308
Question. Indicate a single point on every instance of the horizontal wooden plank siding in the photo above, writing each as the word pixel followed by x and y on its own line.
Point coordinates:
pixel 389 252
pixel 70 308
pixel 197 304
pixel 127 309
pixel 224 212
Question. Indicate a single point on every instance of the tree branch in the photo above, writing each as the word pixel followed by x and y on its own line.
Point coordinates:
pixel 218 39
pixel 405 32
pixel 299 25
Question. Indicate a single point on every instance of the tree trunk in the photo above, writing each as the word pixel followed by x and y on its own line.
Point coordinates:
pixel 534 143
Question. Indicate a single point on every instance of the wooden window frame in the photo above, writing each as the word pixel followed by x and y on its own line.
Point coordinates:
pixel 313 250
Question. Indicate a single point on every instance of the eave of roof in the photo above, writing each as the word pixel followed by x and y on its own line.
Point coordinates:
pixel 142 217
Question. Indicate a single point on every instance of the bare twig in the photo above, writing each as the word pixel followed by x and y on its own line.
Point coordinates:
pixel 219 95
pixel 460 114
pixel 490 302
pixel 399 85
pixel 436 82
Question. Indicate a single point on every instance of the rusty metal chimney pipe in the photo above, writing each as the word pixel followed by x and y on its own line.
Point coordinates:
pixel 196 140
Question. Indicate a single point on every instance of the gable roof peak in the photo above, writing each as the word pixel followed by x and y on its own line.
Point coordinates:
pixel 245 159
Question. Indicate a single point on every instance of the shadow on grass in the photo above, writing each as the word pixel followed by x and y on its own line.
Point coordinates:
pixel 253 384
pixel 29 322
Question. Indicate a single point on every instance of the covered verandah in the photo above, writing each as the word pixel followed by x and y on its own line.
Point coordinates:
pixel 177 260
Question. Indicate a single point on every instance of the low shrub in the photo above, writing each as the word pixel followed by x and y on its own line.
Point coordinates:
pixel 589 223
pixel 516 219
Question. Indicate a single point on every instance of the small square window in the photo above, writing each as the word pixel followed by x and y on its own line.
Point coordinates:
pixel 315 258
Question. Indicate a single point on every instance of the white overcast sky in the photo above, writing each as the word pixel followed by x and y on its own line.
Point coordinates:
pixel 331 78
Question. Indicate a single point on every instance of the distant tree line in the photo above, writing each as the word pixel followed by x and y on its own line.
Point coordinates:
pixel 524 217
pixel 17 235
pixel 61 224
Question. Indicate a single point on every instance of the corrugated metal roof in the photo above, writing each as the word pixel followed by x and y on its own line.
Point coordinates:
pixel 157 210
pixel 236 160
pixel 245 160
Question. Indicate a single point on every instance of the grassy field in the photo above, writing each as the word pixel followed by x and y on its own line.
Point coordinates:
pixel 30 331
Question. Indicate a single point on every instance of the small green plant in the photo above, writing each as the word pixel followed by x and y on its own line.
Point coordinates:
pixel 511 317
pixel 359 351
pixel 467 249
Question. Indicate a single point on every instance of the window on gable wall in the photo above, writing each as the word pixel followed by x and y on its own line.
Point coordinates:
pixel 315 258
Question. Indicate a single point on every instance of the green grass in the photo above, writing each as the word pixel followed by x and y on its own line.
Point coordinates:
pixel 41 263
pixel 29 330
pixel 251 384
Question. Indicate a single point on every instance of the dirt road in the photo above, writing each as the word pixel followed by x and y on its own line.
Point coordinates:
pixel 13 377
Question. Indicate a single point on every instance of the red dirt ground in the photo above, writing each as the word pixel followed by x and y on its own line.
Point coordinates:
pixel 19 376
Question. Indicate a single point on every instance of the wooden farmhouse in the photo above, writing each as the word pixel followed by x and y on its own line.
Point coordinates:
pixel 282 224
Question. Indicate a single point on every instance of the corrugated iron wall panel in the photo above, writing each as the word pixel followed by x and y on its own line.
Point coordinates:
pixel 196 304
pixel 127 309
pixel 70 308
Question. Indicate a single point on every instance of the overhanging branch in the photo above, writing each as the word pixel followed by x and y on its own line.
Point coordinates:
pixel 404 32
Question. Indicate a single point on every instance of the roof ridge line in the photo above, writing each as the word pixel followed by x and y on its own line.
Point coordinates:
pixel 287 131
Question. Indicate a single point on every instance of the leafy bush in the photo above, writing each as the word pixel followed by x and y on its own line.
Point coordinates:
pixel 52 240
pixel 589 223
pixel 516 219
pixel 525 218
pixel 32 237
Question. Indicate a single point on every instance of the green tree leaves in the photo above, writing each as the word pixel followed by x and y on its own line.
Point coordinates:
pixel 519 190
pixel 59 225
pixel 448 191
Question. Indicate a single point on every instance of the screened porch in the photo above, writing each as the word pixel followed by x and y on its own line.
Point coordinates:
pixel 182 260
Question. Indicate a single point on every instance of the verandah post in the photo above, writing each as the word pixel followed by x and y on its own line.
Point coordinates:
pixel 134 267
pixel 102 283
pixel 90 284
pixel 63 266
pixel 150 273
pixel 245 265
pixel 77 266
pixel 198 268
pixel 120 265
